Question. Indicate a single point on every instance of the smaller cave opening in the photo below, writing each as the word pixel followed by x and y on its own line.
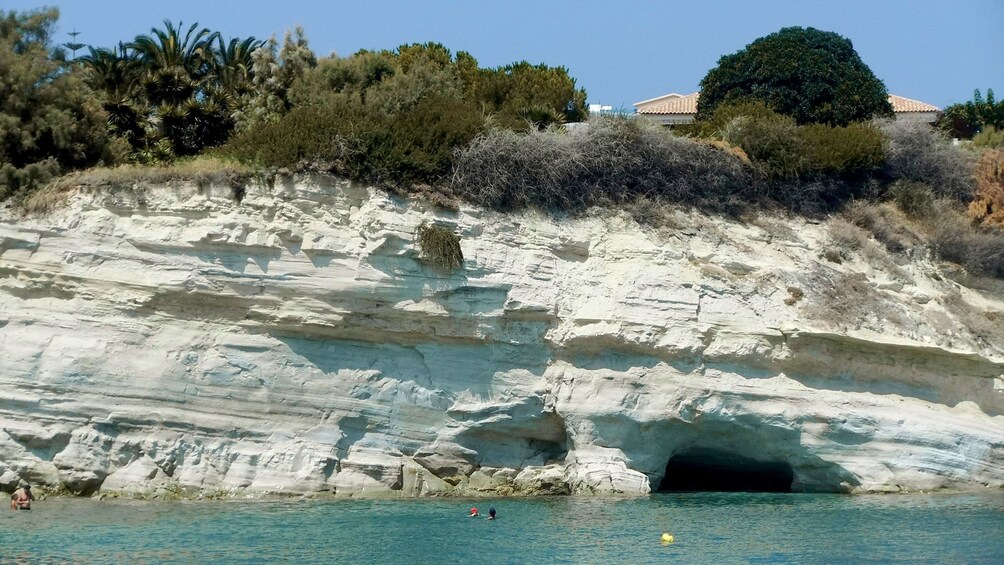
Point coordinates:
pixel 711 470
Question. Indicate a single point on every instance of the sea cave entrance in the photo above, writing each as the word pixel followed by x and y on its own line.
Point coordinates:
pixel 701 469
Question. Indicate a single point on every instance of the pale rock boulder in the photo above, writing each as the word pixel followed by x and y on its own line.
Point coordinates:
pixel 420 481
pixel 140 477
pixel 446 459
pixel 596 470
pixel 542 480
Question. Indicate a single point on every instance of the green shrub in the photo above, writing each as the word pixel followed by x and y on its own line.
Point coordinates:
pixel 965 120
pixel 989 138
pixel 771 141
pixel 715 126
pixel 418 145
pixel 306 133
pixel 806 168
pixel 854 151
pixel 362 143
pixel 440 247
pixel 915 199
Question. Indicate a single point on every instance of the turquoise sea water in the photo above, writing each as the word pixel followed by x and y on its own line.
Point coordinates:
pixel 708 527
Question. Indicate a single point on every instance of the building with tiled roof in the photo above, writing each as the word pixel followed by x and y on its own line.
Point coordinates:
pixel 674 109
pixel 670 109
pixel 914 110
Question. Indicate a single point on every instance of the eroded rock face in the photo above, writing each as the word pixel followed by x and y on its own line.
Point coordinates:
pixel 170 339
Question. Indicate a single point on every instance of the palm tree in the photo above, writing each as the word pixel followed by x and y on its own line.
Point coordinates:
pixel 173 87
pixel 233 63
pixel 176 66
pixel 117 74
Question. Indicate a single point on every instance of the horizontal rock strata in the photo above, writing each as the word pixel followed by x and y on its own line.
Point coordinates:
pixel 169 339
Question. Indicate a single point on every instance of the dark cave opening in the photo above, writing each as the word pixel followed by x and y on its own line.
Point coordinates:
pixel 712 470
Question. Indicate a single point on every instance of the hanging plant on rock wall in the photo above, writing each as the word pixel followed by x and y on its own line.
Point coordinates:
pixel 440 247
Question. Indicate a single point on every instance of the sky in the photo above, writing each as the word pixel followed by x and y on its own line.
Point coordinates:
pixel 621 52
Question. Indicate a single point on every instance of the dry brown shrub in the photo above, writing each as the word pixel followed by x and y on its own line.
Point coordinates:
pixel 709 270
pixel 886 223
pixel 655 213
pixel 727 147
pixel 848 301
pixel 985 325
pixel 847 238
pixel 987 207
pixel 920 153
pixel 43 200
pixel 833 255
pixel 776 227
pixel 915 199
pixel 612 161
pixel 199 170
pixel 794 295
pixel 978 250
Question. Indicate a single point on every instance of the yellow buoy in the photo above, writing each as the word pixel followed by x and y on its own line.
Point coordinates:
pixel 667 539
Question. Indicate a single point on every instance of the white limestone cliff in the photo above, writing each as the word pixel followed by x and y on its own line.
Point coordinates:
pixel 168 338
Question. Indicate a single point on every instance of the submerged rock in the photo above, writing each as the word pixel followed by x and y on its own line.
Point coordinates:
pixel 296 342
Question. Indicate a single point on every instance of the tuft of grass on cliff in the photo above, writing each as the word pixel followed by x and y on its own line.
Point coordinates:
pixel 201 170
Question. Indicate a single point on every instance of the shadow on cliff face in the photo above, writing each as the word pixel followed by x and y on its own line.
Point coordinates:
pixel 702 469
pixel 710 466
pixel 451 367
pixel 515 434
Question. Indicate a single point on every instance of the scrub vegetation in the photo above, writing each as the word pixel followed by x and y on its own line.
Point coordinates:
pixel 440 247
pixel 421 119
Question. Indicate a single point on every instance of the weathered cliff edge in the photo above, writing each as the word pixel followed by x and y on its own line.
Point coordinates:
pixel 170 338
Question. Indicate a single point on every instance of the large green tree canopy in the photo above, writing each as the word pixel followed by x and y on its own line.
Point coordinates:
pixel 811 75
pixel 967 119
pixel 49 120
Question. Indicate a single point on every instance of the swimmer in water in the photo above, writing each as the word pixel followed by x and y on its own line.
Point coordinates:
pixel 21 500
pixel 491 513
pixel 474 512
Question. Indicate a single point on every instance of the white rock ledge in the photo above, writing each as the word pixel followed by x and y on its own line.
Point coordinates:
pixel 296 343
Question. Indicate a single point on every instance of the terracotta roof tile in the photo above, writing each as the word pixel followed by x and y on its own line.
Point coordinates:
pixel 681 104
pixel 687 104
pixel 900 104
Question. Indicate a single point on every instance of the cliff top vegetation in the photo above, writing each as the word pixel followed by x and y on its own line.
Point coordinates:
pixel 181 101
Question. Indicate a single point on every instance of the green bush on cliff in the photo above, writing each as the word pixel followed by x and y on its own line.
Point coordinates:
pixel 362 143
pixel 440 247
pixel 809 168
pixel 396 117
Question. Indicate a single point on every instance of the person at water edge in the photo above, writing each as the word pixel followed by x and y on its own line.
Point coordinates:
pixel 491 513
pixel 474 512
pixel 21 499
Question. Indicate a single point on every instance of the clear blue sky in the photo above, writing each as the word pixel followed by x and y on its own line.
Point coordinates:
pixel 937 51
